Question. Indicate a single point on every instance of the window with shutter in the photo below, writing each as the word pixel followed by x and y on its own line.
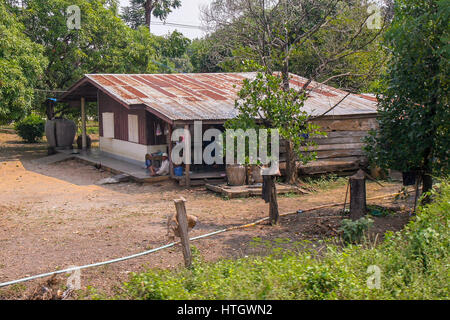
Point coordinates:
pixel 133 129
pixel 108 124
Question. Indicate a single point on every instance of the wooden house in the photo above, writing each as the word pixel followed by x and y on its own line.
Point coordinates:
pixel 138 112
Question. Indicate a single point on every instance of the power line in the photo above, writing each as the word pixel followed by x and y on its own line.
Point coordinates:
pixel 44 90
pixel 181 25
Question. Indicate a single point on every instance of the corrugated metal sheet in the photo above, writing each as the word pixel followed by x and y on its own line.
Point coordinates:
pixel 211 96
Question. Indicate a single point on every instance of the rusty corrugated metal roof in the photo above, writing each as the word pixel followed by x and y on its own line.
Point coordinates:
pixel 211 96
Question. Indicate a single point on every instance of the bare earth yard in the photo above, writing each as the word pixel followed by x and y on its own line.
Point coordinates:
pixel 53 217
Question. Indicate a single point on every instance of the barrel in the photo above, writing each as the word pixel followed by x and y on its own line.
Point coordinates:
pixel 255 173
pixel 236 174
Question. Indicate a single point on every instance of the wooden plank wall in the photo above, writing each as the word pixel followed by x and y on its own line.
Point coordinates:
pixel 341 150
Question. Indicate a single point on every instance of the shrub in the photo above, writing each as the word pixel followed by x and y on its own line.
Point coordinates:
pixel 30 128
pixel 353 231
pixel 413 264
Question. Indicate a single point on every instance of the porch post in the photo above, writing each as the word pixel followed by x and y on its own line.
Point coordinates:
pixel 172 175
pixel 83 124
pixel 187 158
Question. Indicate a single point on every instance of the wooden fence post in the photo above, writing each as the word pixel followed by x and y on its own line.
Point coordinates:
pixel 183 229
pixel 269 194
pixel 358 206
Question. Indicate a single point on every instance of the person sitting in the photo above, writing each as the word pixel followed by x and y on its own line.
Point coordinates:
pixel 163 170
pixel 148 162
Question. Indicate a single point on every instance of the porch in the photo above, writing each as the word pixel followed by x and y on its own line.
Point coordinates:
pixel 104 161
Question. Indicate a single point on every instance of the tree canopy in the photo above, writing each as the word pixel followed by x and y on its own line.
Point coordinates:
pixel 102 44
pixel 327 40
pixel 414 113
pixel 22 65
pixel 139 12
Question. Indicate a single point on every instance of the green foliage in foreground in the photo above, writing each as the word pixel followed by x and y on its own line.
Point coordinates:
pixel 353 231
pixel 413 262
pixel 30 129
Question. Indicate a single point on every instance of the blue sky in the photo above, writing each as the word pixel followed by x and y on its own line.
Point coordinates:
pixel 188 13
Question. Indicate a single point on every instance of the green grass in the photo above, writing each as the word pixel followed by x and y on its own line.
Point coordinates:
pixel 325 182
pixel 413 263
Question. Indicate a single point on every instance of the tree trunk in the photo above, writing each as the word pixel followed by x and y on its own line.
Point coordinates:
pixel 148 13
pixel 285 69
pixel 274 215
pixel 427 185
pixel 269 194
pixel 358 205
pixel 291 166
pixel 427 179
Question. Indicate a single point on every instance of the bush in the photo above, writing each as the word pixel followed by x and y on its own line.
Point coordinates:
pixel 31 128
pixel 413 264
pixel 353 231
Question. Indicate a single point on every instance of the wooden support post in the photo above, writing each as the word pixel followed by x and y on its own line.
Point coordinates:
pixel 358 205
pixel 273 209
pixel 172 175
pixel 83 124
pixel 183 229
pixel 187 152
pixel 269 194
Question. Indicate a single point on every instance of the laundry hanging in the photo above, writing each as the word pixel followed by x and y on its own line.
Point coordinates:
pixel 158 130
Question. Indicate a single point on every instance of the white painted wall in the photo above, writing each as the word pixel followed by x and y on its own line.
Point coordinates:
pixel 130 150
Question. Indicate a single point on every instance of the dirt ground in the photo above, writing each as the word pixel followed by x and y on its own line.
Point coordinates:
pixel 55 216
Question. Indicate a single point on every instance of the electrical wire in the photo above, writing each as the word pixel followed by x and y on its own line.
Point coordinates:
pixel 181 25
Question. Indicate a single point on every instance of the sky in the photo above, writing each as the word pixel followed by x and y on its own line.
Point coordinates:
pixel 188 13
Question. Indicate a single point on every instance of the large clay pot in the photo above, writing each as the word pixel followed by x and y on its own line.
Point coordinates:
pixel 80 142
pixel 236 174
pixel 60 133
pixel 255 174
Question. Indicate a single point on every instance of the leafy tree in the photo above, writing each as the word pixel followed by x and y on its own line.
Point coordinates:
pixel 172 53
pixel 269 32
pixel 103 44
pixel 262 103
pixel 205 55
pixel 358 67
pixel 21 67
pixel 414 113
pixel 140 12
pixel 265 103
pixel 134 14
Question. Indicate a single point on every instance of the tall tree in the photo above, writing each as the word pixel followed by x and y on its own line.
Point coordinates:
pixel 271 30
pixel 414 112
pixel 102 44
pixel 172 53
pixel 141 11
pixel 21 67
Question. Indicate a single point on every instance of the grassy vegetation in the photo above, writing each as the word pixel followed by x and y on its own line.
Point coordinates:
pixel 325 182
pixel 413 263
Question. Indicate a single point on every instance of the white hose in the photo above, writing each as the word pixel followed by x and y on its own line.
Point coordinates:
pixel 167 246
pixel 105 262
